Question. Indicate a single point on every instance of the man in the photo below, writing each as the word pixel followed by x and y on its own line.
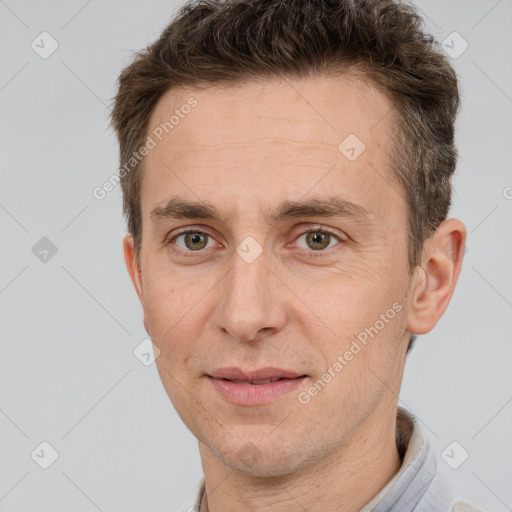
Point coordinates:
pixel 286 171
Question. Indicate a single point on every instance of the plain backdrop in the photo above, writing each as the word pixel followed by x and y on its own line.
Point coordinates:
pixel 70 320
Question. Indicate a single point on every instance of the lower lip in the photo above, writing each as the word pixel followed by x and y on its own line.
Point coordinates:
pixel 255 394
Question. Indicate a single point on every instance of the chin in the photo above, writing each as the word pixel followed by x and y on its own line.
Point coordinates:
pixel 263 459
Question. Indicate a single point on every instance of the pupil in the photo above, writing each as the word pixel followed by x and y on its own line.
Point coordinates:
pixel 196 240
pixel 319 238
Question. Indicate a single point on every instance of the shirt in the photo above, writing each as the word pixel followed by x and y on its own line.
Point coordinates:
pixel 417 486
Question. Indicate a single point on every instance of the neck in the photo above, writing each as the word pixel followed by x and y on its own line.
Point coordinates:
pixel 345 480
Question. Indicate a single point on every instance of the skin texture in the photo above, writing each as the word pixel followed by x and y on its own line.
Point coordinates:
pixel 245 149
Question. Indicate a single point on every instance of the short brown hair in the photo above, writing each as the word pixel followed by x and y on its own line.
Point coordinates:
pixel 223 42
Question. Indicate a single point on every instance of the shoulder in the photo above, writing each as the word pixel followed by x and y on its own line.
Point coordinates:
pixel 461 506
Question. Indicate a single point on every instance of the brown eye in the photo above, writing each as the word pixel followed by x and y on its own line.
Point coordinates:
pixel 193 241
pixel 318 240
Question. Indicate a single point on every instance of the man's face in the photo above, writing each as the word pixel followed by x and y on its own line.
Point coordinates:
pixel 253 289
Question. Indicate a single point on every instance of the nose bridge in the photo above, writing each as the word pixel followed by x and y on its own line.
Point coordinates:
pixel 248 305
pixel 246 284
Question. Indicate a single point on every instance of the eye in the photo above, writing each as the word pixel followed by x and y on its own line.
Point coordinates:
pixel 193 241
pixel 318 239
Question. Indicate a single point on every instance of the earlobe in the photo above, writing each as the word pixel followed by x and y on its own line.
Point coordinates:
pixel 132 264
pixel 434 281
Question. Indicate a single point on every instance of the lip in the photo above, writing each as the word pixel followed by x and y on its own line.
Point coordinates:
pixel 233 373
pixel 239 393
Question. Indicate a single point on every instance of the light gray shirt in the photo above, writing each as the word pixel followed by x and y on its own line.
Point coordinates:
pixel 418 486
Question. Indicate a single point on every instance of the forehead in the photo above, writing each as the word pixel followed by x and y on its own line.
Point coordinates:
pixel 321 109
pixel 269 138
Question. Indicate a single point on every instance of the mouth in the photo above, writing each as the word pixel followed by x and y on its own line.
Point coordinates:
pixel 254 376
pixel 257 382
pixel 254 387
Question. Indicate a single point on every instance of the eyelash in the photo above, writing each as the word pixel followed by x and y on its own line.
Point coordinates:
pixel 313 252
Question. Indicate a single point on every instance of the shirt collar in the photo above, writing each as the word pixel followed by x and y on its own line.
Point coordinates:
pixel 409 486
pixel 417 471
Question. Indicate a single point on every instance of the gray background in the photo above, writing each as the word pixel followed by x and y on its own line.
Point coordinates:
pixel 68 375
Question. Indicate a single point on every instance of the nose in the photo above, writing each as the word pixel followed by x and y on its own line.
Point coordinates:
pixel 252 301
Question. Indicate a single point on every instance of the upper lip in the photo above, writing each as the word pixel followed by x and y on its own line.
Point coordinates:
pixel 233 373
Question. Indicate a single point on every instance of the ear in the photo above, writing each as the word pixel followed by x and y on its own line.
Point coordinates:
pixel 435 279
pixel 133 266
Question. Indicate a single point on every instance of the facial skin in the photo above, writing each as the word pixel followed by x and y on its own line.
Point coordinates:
pixel 301 303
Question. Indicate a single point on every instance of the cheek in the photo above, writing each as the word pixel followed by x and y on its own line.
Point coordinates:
pixel 166 309
pixel 358 368
pixel 349 297
pixel 168 294
pixel 365 320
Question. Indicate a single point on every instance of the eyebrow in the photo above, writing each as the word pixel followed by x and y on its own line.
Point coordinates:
pixel 334 206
